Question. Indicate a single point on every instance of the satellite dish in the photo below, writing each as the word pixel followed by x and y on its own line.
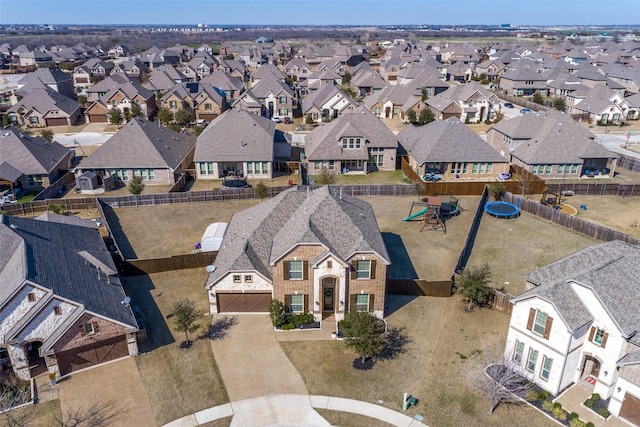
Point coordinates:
pixel 126 300
pixel 210 268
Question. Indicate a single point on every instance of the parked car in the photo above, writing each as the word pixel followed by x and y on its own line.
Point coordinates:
pixel 525 111
pixel 508 105
pixel 288 120
pixel 276 119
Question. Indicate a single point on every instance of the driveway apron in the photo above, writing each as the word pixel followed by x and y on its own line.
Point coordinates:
pixel 251 362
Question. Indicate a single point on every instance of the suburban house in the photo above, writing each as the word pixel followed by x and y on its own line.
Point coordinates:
pixel 355 142
pixel 142 148
pixel 204 100
pixel 451 149
pixel 327 103
pixel 578 325
pixel 45 107
pixel 470 102
pixel 231 86
pixel 365 80
pixel 62 306
pixel 133 69
pixel 101 88
pixel 94 68
pixel 492 68
pixel 524 81
pixel 269 97
pixel 31 162
pixel 241 144
pixel 123 97
pixel 598 104
pixel 396 101
pixel 319 252
pixel 298 69
pixel 550 145
pixel 163 78
pixel 54 78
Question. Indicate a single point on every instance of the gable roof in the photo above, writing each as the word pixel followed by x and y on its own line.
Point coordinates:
pixel 459 93
pixel 31 155
pixel 258 237
pixel 610 270
pixel 45 100
pixel 323 143
pixel 141 144
pixel 238 135
pixel 446 141
pixel 550 138
pixel 53 260
pixel 321 96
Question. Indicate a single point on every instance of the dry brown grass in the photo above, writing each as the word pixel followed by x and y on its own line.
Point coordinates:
pixel 41 415
pixel 177 381
pixel 430 367
pixel 157 231
pixel 346 419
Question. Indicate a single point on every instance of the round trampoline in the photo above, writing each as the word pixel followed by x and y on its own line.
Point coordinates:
pixel 502 209
pixel 235 183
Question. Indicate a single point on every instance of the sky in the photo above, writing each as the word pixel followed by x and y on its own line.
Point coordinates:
pixel 321 12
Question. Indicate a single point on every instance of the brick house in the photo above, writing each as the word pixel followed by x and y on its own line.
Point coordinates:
pixel 319 252
pixel 59 319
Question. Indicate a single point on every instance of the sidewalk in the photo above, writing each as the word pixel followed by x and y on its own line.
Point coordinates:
pixel 292 410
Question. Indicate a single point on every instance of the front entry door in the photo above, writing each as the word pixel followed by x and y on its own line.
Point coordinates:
pixel 328 298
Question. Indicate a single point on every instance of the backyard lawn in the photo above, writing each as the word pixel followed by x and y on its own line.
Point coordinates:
pixel 177 381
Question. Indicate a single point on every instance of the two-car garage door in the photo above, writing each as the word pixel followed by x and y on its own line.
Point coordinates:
pixel 630 409
pixel 243 302
pixel 92 354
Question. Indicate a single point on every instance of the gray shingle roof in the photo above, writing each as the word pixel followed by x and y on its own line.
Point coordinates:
pixel 31 155
pixel 551 138
pixel 258 237
pixel 323 143
pixel 446 141
pixel 610 270
pixel 459 93
pixel 321 96
pixel 53 261
pixel 141 144
pixel 45 100
pixel 237 135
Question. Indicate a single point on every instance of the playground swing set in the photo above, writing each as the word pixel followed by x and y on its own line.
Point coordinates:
pixel 433 212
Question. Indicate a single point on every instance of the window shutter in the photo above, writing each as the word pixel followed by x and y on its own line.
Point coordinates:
pixel 547 328
pixel 371 301
pixel 285 270
pixel 287 303
pixel 352 303
pixel 96 327
pixel 532 316
pixel 82 330
pixel 305 270
pixel 305 308
pixel 354 272
pixel 592 333
pixel 372 273
pixel 604 340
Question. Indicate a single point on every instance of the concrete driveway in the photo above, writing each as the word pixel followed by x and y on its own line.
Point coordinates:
pixel 251 362
pixel 117 383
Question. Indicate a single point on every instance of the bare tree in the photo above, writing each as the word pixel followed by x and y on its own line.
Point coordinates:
pixel 100 414
pixel 14 393
pixel 497 378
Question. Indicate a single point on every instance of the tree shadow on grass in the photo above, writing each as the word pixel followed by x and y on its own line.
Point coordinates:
pixel 395 343
pixel 145 307
pixel 219 329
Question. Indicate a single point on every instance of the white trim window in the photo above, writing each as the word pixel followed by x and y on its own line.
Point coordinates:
pixel 598 336
pixel 296 270
pixel 362 302
pixel 518 351
pixel 546 368
pixel 540 323
pixel 206 168
pixel 297 303
pixel 363 269
pixel 531 360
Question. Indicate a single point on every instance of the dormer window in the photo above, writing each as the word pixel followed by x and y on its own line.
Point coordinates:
pixel 31 297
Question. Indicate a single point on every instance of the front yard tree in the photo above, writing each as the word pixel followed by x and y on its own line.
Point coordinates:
pixel 183 117
pixel 559 104
pixel 412 116
pixel 135 111
pixel 47 134
pixel 474 285
pixel 136 185
pixel 185 317
pixel 363 332
pixel 326 177
pixel 426 116
pixel 115 117
pixel 346 78
pixel 165 116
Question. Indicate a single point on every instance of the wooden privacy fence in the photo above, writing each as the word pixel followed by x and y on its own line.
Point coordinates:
pixel 501 301
pixel 67 180
pixel 135 267
pixel 577 224
pixel 629 163
pixel 597 189
pixel 521 101
pixel 419 287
